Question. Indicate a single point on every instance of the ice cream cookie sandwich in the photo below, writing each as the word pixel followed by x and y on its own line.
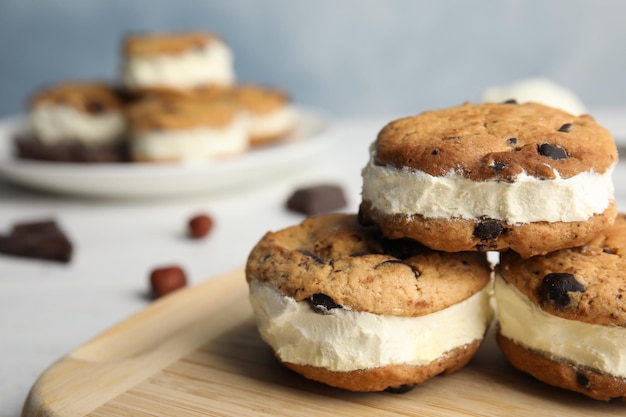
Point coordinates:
pixel 185 130
pixel 562 316
pixel 491 177
pixel 74 121
pixel 175 61
pixel 342 305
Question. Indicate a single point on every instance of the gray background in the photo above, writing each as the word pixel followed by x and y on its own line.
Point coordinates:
pixel 348 57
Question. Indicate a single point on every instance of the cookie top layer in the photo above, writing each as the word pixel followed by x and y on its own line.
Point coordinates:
pixel 166 43
pixel 586 283
pixel 358 269
pixel 89 97
pixel 174 114
pixel 497 142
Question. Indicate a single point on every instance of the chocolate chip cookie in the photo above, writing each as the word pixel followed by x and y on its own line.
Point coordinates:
pixel 340 304
pixel 492 177
pixel 562 316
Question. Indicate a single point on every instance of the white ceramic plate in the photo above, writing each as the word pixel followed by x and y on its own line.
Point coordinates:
pixel 135 180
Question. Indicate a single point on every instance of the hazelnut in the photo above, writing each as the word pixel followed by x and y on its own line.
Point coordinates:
pixel 200 226
pixel 166 279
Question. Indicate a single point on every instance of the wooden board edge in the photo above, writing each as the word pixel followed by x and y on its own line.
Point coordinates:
pixel 132 350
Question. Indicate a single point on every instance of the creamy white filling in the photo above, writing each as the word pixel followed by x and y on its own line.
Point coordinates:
pixel 592 345
pixel 527 199
pixel 212 64
pixel 58 123
pixel 273 123
pixel 197 144
pixel 347 340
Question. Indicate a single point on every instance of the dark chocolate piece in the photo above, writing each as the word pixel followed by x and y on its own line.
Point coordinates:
pixel 322 303
pixel 565 128
pixel 552 151
pixel 555 287
pixel 31 148
pixel 400 389
pixel 40 240
pixel 312 256
pixel 488 229
pixel 317 199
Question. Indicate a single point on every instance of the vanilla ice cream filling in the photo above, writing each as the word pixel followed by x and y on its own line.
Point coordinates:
pixel 347 340
pixel 273 123
pixel 595 346
pixel 196 144
pixel 528 199
pixel 212 64
pixel 54 124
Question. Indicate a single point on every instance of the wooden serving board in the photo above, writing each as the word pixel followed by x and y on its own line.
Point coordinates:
pixel 196 352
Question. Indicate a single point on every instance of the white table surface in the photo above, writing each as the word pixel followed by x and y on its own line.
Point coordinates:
pixel 49 309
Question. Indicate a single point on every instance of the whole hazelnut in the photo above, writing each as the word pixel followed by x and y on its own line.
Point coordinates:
pixel 166 279
pixel 200 226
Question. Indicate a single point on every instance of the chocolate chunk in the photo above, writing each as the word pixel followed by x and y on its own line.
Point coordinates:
pixel 39 240
pixel 400 389
pixel 582 380
pixel 435 152
pixel 512 141
pixel 401 248
pixel 565 128
pixel 312 256
pixel 317 199
pixel 510 101
pixel 488 229
pixel 322 303
pixel 498 166
pixel 552 151
pixel 555 287
pixel 199 226
pixel 95 107
pixel 166 280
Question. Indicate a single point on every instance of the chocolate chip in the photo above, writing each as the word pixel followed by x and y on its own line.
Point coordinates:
pixel 552 151
pixel 401 248
pixel 435 152
pixel 555 287
pixel 511 141
pixel 609 251
pixel 498 166
pixel 167 279
pixel 322 303
pixel 510 101
pixel 359 254
pixel 389 261
pixel 317 199
pixel 40 240
pixel 95 107
pixel 312 256
pixel 488 229
pixel 400 389
pixel 582 380
pixel 199 226
pixel 565 128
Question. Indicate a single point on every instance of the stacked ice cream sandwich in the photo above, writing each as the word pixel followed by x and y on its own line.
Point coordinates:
pixel 440 190
pixel 176 100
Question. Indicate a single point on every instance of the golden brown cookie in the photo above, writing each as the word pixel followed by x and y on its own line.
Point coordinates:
pixel 342 305
pixel 492 177
pixel 85 96
pixel 562 316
